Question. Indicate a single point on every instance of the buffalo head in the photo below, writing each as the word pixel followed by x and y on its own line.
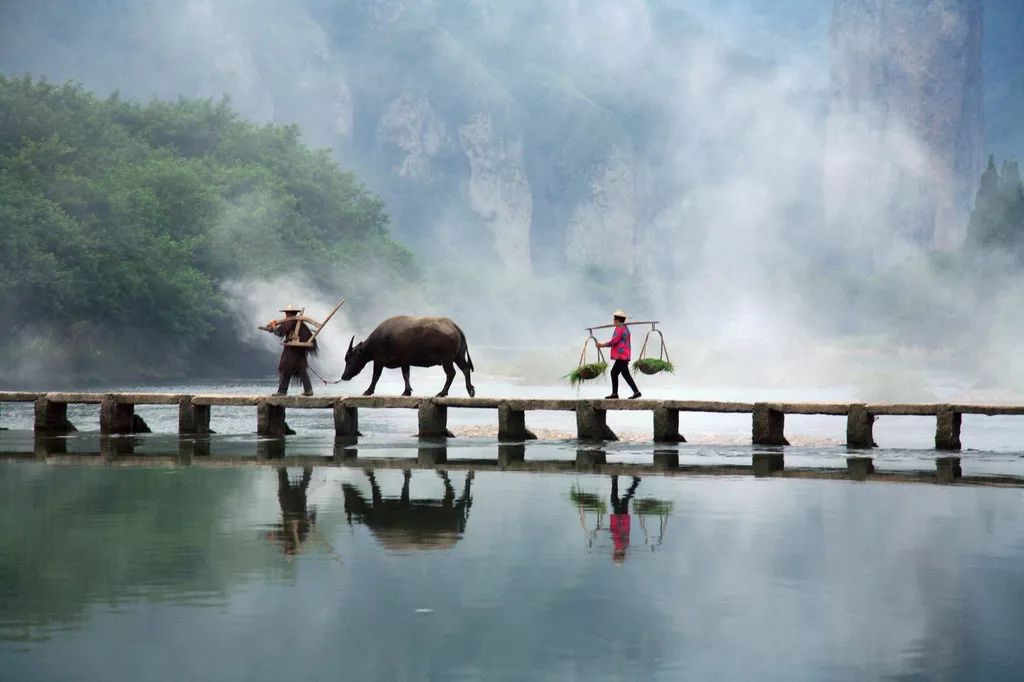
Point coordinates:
pixel 356 358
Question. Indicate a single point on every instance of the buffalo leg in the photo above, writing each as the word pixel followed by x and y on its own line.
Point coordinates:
pixel 464 366
pixel 405 375
pixel 449 492
pixel 377 369
pixel 378 499
pixel 449 372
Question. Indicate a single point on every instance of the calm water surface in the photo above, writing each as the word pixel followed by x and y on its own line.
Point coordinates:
pixel 260 573
pixel 117 572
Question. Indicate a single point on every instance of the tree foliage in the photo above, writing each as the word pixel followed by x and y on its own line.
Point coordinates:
pixel 120 220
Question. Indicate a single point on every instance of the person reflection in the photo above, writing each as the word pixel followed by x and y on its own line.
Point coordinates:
pixel 296 520
pixel 618 521
pixel 405 524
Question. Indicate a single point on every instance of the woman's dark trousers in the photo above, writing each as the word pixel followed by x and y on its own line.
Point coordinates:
pixel 622 367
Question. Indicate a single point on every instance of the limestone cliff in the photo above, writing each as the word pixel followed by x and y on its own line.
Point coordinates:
pixel 905 127
pixel 603 229
pixel 497 188
pixel 411 125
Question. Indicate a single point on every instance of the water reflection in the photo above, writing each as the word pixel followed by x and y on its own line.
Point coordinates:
pixel 403 523
pixel 296 520
pixel 807 575
pixel 620 521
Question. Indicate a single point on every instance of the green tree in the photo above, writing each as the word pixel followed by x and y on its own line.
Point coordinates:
pixel 120 221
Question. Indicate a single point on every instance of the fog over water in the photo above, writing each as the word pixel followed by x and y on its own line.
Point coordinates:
pixel 706 211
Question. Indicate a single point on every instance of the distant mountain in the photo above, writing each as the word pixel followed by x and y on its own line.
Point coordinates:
pixel 905 128
pixel 521 133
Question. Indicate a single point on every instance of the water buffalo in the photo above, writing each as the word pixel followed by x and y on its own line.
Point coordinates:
pixel 411 341
pixel 404 524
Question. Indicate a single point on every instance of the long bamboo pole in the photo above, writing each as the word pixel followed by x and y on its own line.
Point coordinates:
pixel 609 326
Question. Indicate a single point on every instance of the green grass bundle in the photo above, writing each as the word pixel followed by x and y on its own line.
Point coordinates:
pixel 653 506
pixel 586 373
pixel 587 501
pixel 653 366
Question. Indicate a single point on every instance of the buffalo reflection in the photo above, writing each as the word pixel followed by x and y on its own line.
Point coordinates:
pixel 405 524
pixel 296 521
pixel 620 521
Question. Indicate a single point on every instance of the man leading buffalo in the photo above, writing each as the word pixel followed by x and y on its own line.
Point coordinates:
pixel 294 363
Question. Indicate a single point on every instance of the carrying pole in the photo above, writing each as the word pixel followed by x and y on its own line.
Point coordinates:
pixel 628 324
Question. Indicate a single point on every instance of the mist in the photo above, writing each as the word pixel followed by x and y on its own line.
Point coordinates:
pixel 695 193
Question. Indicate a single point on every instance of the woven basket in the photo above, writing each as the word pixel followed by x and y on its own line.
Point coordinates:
pixel 654 365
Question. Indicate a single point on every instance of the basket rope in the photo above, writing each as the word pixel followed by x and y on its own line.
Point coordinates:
pixel 583 353
pixel 662 350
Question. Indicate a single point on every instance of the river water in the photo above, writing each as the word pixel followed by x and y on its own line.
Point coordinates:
pixel 167 572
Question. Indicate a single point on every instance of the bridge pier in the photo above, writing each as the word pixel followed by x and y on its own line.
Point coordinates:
pixel 591 424
pixel 51 418
pixel 270 448
pixel 858 468
pixel 112 447
pixel 193 419
pixel 666 426
pixel 116 418
pixel 666 459
pixel 44 445
pixel 270 420
pixel 947 469
pixel 587 460
pixel 769 426
pixel 860 425
pixel 433 421
pixel 346 421
pixel 432 456
pixel 768 463
pixel 512 425
pixel 343 449
pixel 509 454
pixel 947 429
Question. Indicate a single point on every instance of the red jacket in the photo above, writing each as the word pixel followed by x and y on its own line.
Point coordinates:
pixel 620 343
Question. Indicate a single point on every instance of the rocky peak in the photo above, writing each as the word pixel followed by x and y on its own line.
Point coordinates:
pixel 905 128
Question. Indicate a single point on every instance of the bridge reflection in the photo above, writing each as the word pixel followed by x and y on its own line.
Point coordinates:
pixel 434 454
pixel 402 523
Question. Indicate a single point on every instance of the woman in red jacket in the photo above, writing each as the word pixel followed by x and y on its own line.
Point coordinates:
pixel 621 351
